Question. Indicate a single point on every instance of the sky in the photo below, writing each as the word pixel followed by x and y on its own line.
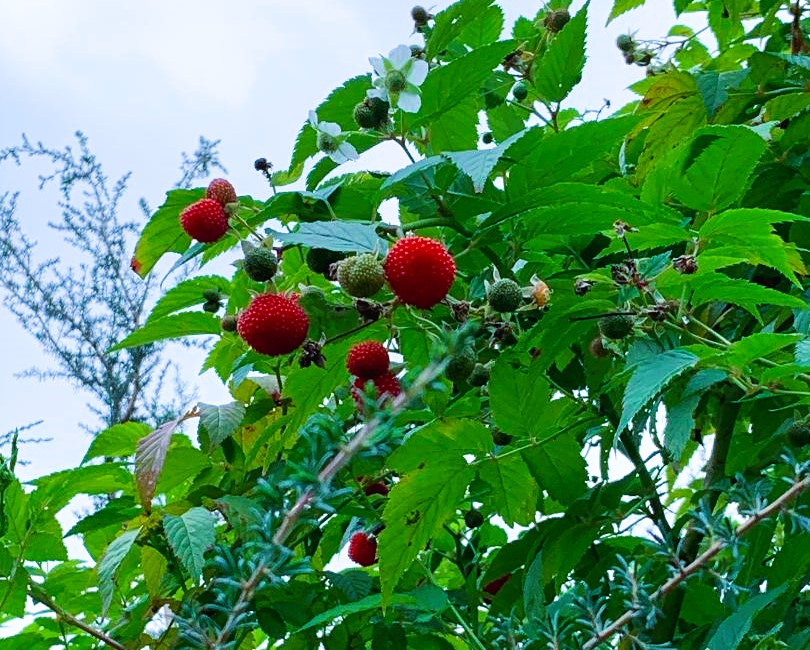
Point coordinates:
pixel 143 80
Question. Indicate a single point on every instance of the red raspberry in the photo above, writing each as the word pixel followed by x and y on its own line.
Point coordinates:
pixel 494 586
pixel 363 549
pixel 420 271
pixel 204 220
pixel 221 191
pixel 386 386
pixel 378 487
pixel 273 324
pixel 368 359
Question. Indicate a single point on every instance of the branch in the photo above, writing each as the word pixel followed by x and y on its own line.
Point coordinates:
pixel 38 594
pixel 797 488
pixel 325 477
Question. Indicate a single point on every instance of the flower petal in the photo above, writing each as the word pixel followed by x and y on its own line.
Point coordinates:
pixel 348 151
pixel 330 128
pixel 380 93
pixel 338 157
pixel 409 101
pixel 399 56
pixel 377 63
pixel 418 72
pixel 313 119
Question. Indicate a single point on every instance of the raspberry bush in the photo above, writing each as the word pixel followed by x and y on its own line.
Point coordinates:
pixel 561 401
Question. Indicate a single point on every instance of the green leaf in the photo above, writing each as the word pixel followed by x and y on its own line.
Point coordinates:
pixel 176 326
pixel 149 458
pixel 479 163
pixel 623 6
pixel 221 421
pixel 440 440
pixel 114 513
pixel 190 535
pixel 518 399
pixel 188 294
pixel 802 355
pixel 484 29
pixel 13 593
pixel 366 604
pixel 649 377
pixel 451 23
pixel 54 491
pixel 714 86
pixel 533 584
pixel 119 440
pixel 513 492
pixel 719 174
pixel 716 287
pixel 154 567
pixel 560 67
pixel 342 236
pixel 108 566
pixel 163 233
pixel 680 412
pixel 558 467
pixel 732 630
pixel 353 583
pixel 743 352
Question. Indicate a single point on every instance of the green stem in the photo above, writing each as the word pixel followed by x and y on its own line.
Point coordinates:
pixel 436 222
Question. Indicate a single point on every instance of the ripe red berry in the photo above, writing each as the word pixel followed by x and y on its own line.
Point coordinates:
pixel 273 324
pixel 378 487
pixel 204 220
pixel 420 271
pixel 494 586
pixel 363 549
pixel 221 191
pixel 368 359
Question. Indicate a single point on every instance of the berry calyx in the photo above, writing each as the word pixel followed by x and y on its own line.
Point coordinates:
pixel 686 264
pixel 260 264
pixel 221 191
pixel 420 271
pixel 479 376
pixel 361 276
pixel 211 306
pixel 368 360
pixel 461 364
pixel 273 324
pixel 473 518
pixel 320 259
pixel 505 296
pixel 363 549
pixel 597 348
pixel 395 82
pixel 556 20
pixel 520 91
pixel 799 434
pixel 261 165
pixel 205 220
pixel 616 327
pixel 420 15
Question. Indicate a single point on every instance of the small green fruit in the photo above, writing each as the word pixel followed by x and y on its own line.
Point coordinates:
pixel 799 434
pixel 228 323
pixel 479 376
pixel 211 306
pixel 505 296
pixel 520 91
pixel 487 138
pixel 260 264
pixel 371 113
pixel 420 15
pixel 625 43
pixel 461 364
pixel 361 276
pixel 320 259
pixel 473 518
pixel 616 327
pixel 500 438
pixel 212 295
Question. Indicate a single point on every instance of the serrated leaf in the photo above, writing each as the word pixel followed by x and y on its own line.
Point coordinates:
pixel 108 566
pixel 190 535
pixel 441 439
pixel 119 440
pixel 623 6
pixel 680 411
pixel 149 458
pixel 479 163
pixel 192 323
pixel 114 513
pixel 13 594
pixel 451 23
pixel 187 294
pixel 802 355
pixel 163 233
pixel 716 287
pixel 714 86
pixel 221 421
pixel 518 399
pixel 558 467
pixel 368 603
pixel 341 236
pixel 154 566
pixel 55 490
pixel 719 174
pixel 512 490
pixel 649 377
pixel 760 345
pixel 484 29
pixel 732 630
pixel 353 583
pixel 560 67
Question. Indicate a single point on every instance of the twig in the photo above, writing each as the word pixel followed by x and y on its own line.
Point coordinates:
pixel 325 477
pixel 38 594
pixel 796 489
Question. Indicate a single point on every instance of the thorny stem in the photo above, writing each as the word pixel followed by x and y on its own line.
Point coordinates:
pixel 325 477
pixel 797 488
pixel 38 594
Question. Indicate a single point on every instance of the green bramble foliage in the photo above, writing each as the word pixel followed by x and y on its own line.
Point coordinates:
pixel 698 539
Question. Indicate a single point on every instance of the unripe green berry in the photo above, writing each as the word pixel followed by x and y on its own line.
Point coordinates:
pixel 211 306
pixel 361 276
pixel 228 323
pixel 556 20
pixel 487 138
pixel 326 143
pixel 211 295
pixel 799 433
pixel 479 375
pixel 625 43
pixel 520 91
pixel 500 438
pixel 616 327
pixel 260 264
pixel 364 116
pixel 461 364
pixel 395 81
pixel 505 296
pixel 420 15
pixel 473 518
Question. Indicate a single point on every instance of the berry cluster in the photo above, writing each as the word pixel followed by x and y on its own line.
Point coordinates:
pixel 206 220
pixel 368 362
